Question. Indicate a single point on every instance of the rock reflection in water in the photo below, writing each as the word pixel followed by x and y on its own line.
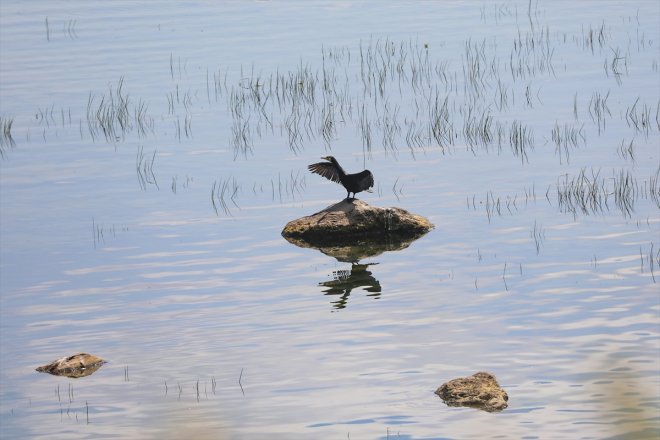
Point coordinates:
pixel 352 251
pixel 346 280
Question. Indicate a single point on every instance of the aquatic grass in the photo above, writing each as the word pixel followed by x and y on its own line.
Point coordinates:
pixel 390 126
pixel 364 128
pixel 99 235
pixel 598 109
pixel 477 127
pixel 68 28
pixel 501 204
pixel 110 117
pixel 45 115
pixel 441 128
pixel 142 120
pixel 175 183
pixel 531 55
pixel 584 193
pixel 223 190
pixel 493 206
pixel 529 96
pixel 6 138
pixel 496 205
pixel 292 186
pixel 144 167
pixel 538 235
pixel 639 117
pixel 397 191
pixel 654 187
pixel 241 137
pixel 416 138
pixel 328 127
pixel 501 97
pixel 567 137
pixel 521 138
pixel 589 193
pixel 593 37
pixel 617 66
pixel 309 105
pixel 625 191
pixel 626 150
pixel 475 69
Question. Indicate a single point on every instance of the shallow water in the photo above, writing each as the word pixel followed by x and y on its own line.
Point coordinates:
pixel 154 241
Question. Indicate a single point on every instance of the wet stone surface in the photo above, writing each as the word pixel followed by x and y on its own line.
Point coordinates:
pixel 352 219
pixel 480 390
pixel 77 365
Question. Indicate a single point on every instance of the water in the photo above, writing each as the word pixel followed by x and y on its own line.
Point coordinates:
pixel 156 244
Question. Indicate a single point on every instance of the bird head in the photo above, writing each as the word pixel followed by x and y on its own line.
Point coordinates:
pixel 329 159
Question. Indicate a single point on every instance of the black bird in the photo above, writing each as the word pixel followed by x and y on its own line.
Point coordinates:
pixel 354 183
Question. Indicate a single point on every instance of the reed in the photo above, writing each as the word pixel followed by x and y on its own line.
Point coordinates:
pixel 223 193
pixel 6 138
pixel 585 193
pixel 144 167
pixel 112 116
pixel 625 191
pixel 654 187
pixel 639 117
pixel 567 137
pixel 521 138
pixel 599 109
pixel 538 235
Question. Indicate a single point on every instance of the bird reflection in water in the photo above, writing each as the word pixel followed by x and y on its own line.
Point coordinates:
pixel 344 281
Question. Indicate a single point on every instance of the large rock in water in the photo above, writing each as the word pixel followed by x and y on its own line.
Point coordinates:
pixel 351 220
pixel 480 390
pixel 77 365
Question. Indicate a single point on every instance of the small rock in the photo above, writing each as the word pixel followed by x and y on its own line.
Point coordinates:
pixel 77 365
pixel 348 220
pixel 480 390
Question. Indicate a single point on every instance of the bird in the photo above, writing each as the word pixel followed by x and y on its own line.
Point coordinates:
pixel 354 183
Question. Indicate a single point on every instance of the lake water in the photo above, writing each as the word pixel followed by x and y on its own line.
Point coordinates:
pixel 152 152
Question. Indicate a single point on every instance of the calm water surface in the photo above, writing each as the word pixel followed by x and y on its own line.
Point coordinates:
pixel 153 152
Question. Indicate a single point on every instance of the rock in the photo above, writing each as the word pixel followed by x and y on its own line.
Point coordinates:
pixel 345 222
pixel 77 365
pixel 480 390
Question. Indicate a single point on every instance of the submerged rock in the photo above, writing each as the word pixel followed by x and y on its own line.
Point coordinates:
pixel 349 220
pixel 77 365
pixel 480 390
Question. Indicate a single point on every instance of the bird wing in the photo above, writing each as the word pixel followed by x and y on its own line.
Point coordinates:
pixel 327 170
pixel 366 179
